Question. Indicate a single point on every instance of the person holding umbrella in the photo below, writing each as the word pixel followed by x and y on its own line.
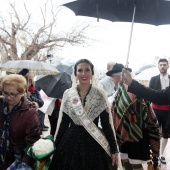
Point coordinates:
pixel 155 96
pixel 80 144
pixel 159 97
pixel 136 126
pixel 34 95
pixel 31 93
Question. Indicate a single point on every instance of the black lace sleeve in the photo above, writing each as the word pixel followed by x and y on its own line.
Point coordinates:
pixel 108 132
pixel 63 127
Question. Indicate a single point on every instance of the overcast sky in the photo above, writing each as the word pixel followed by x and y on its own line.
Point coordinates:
pixel 112 42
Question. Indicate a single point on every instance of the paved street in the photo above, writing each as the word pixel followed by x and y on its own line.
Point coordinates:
pixel 167 152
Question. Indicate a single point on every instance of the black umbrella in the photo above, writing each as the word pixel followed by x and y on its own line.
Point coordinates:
pixel 64 66
pixel 155 12
pixel 54 85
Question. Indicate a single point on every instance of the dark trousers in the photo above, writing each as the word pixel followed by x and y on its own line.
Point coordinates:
pixel 41 117
pixel 53 121
pixel 163 119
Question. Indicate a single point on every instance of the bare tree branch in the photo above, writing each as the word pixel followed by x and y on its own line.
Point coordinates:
pixel 21 38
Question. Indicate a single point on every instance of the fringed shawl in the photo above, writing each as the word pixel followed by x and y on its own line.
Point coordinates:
pixel 131 116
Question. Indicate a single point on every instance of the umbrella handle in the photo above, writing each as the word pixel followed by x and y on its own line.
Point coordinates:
pixel 130 38
pixel 42 163
pixel 135 2
pixel 97 12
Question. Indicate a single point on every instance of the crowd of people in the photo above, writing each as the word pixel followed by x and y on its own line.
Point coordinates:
pixel 107 124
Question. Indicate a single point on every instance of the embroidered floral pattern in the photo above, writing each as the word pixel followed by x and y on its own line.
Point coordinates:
pixel 95 104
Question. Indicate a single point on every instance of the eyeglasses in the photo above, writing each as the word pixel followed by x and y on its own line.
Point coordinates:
pixel 12 95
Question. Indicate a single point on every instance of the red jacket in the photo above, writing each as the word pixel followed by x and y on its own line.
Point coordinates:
pixel 24 128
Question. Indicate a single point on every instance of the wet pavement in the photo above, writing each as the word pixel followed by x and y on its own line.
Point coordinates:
pixel 167 156
pixel 167 151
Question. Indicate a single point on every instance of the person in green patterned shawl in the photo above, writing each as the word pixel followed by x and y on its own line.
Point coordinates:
pixel 137 129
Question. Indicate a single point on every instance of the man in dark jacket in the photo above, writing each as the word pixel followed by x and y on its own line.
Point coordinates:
pixel 160 82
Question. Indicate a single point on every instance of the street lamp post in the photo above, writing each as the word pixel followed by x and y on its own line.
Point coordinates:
pixel 50 56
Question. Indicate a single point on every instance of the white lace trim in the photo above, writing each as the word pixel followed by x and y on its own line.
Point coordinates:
pixel 95 104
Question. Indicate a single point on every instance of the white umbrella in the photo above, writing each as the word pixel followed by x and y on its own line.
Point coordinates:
pixel 34 67
pixel 144 67
pixel 148 73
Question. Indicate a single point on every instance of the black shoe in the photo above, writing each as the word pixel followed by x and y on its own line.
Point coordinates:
pixel 45 127
pixel 162 160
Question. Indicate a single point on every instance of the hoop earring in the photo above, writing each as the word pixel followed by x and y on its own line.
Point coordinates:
pixel 77 81
pixel 91 81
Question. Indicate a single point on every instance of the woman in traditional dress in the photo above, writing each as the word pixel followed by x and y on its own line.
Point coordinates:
pixel 79 141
